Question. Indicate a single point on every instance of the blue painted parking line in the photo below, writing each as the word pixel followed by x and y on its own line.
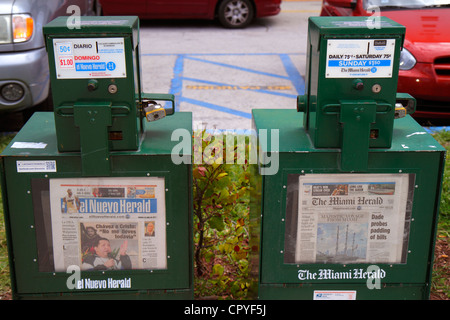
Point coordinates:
pixel 238 68
pixel 293 75
pixel 432 130
pixel 176 87
pixel 296 78
pixel 217 107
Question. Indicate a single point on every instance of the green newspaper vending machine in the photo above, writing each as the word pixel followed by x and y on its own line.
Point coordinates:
pixel 95 208
pixel 349 184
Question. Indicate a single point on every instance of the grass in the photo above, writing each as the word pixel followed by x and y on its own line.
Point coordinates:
pixel 5 282
pixel 441 274
pixel 443 137
pixel 440 287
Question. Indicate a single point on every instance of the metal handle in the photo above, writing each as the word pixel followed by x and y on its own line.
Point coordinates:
pixel 120 111
pixel 330 109
pixel 117 111
pixel 59 111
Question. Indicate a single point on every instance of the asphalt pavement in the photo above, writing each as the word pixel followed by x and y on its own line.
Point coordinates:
pixel 219 74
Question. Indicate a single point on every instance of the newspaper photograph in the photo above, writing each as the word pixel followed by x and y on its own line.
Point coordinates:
pixel 108 223
pixel 348 218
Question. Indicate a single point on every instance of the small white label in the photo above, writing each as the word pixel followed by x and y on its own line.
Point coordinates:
pixel 28 145
pixel 354 58
pixel 335 295
pixel 36 166
pixel 85 58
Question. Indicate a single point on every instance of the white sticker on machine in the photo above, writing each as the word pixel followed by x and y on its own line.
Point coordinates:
pixel 89 58
pixel 335 295
pixel 27 166
pixel 360 58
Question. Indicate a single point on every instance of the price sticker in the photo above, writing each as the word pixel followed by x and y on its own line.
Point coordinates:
pixel 64 48
pixel 66 62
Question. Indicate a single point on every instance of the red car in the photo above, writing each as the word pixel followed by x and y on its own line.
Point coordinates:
pixel 425 58
pixel 231 13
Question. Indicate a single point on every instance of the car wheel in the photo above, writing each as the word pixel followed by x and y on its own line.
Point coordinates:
pixel 235 13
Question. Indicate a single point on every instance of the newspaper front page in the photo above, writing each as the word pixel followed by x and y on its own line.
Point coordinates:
pixel 348 218
pixel 108 223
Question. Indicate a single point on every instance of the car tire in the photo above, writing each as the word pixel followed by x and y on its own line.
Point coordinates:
pixel 98 11
pixel 236 13
pixel 95 9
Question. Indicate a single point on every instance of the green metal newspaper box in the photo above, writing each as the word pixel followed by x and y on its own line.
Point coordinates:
pixel 95 206
pixel 347 189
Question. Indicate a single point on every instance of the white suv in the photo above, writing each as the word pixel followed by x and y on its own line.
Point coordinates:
pixel 24 74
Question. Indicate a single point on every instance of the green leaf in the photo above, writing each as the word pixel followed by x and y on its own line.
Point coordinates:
pixel 221 175
pixel 243 265
pixel 216 223
pixel 217 270
pixel 224 194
